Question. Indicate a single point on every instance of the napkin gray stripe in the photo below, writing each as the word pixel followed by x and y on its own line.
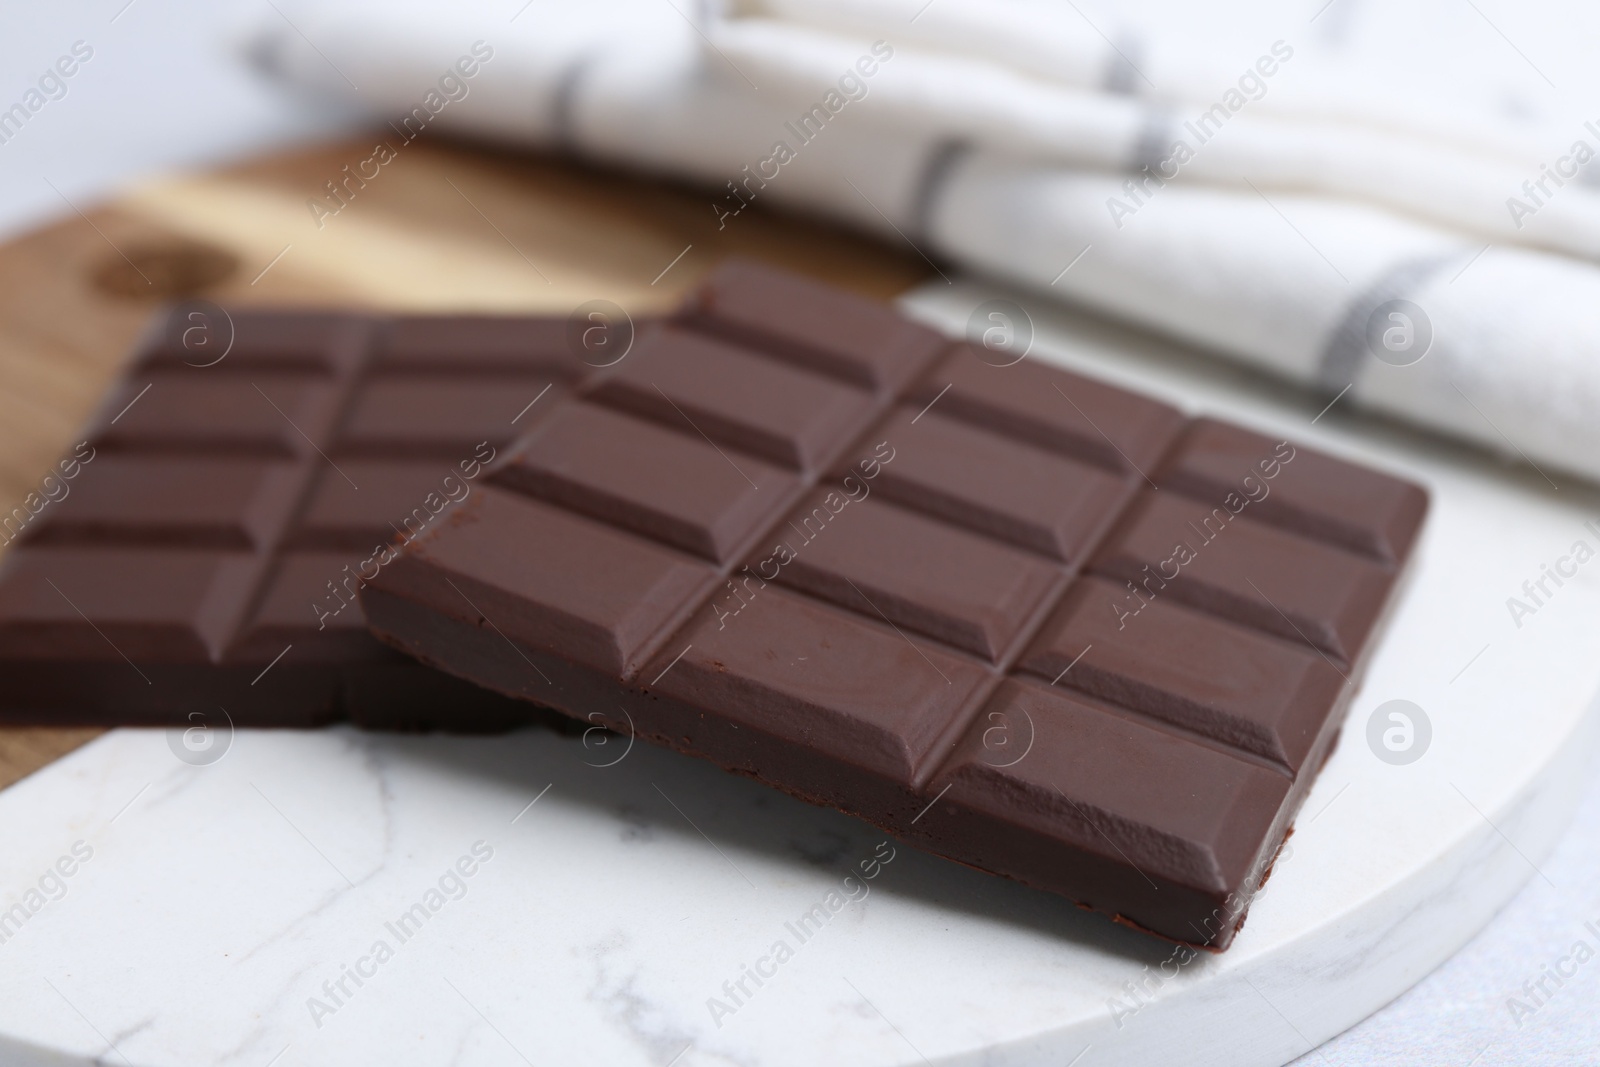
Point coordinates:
pixel 936 171
pixel 1346 349
pixel 564 101
pixel 1154 144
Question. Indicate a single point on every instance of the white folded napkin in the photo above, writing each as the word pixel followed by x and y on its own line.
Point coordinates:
pixel 1269 192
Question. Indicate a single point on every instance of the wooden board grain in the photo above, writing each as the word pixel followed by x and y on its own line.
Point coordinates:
pixel 442 227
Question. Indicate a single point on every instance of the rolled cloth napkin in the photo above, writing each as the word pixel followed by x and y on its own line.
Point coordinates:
pixel 1268 195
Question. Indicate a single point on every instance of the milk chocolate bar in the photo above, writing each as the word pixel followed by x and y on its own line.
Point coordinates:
pixel 1029 621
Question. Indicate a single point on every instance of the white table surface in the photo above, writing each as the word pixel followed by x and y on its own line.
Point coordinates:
pixel 135 110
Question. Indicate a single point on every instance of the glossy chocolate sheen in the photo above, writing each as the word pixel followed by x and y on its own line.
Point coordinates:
pixel 205 552
pixel 1044 626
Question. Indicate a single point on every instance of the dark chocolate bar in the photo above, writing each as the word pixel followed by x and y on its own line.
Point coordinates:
pixel 1043 626
pixel 201 551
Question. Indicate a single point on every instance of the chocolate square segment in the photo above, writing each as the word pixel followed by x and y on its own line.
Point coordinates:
pixel 1166 662
pixel 275 415
pixel 811 325
pixel 1063 412
pixel 887 576
pixel 239 341
pixel 675 486
pixel 369 502
pixel 968 591
pixel 803 674
pixel 591 593
pixel 310 601
pixel 451 345
pixel 1312 495
pixel 994 485
pixel 1230 565
pixel 155 500
pixel 1118 788
pixel 123 606
pixel 442 417
pixel 735 396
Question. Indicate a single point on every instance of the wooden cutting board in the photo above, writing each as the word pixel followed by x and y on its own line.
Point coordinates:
pixel 445 228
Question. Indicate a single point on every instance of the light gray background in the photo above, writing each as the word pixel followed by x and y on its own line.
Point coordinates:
pixel 160 94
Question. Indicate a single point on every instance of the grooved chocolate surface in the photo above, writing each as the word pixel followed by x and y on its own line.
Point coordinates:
pixel 206 550
pixel 1041 625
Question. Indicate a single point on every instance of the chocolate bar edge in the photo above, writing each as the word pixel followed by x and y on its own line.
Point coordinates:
pixel 588 694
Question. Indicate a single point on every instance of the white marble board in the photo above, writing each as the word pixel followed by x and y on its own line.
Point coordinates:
pixel 222 904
